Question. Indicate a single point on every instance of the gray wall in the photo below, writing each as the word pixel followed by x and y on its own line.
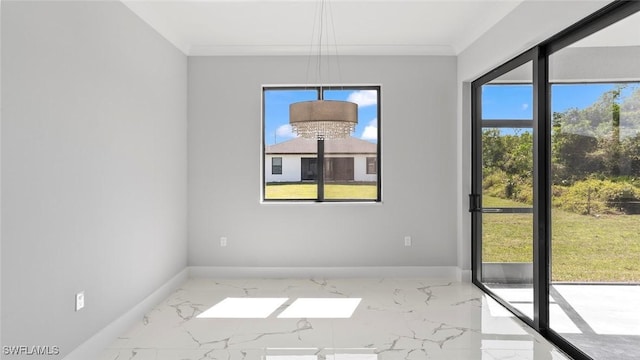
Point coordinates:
pixel 0 171
pixel 418 169
pixel 93 167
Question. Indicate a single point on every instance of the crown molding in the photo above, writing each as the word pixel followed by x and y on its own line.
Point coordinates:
pixel 303 50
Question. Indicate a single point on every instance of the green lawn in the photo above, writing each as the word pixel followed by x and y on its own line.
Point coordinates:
pixel 584 248
pixel 331 191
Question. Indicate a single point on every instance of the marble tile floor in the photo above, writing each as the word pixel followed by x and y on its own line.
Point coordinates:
pixel 395 319
pixel 603 320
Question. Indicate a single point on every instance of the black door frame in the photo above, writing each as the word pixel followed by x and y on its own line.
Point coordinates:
pixel 539 55
pixel 476 174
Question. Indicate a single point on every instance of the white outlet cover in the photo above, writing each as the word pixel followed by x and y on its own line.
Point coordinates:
pixel 79 300
pixel 223 241
pixel 407 241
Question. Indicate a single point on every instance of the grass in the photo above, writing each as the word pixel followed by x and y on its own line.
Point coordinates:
pixel 584 248
pixel 291 191
pixel 331 191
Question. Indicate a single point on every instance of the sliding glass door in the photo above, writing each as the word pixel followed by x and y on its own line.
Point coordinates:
pixel 555 196
pixel 595 162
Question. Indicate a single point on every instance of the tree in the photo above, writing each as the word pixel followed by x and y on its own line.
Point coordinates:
pixel 600 140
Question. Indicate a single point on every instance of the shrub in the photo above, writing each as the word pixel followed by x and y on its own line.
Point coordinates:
pixel 523 191
pixel 595 196
pixel 501 185
pixel 494 184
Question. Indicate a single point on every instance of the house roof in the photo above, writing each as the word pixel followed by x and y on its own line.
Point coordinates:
pixel 304 146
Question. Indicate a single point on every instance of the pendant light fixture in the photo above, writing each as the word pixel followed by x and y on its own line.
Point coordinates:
pixel 323 119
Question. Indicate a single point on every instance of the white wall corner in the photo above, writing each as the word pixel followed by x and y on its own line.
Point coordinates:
pixel 92 348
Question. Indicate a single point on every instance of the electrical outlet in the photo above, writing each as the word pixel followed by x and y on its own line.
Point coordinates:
pixel 407 241
pixel 223 241
pixel 79 300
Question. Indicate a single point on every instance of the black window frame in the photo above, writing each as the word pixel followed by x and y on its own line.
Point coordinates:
pixel 320 89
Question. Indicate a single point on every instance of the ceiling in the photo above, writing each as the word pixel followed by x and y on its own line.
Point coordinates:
pixel 285 27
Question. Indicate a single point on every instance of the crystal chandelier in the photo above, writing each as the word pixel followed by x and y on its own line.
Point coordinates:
pixel 323 119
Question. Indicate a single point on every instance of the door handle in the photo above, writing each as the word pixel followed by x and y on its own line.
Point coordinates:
pixel 474 203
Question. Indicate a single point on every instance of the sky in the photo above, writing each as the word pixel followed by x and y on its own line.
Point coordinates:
pixel 276 112
pixel 516 101
pixel 499 102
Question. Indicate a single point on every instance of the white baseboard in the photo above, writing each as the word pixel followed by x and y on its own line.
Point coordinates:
pixel 463 275
pixel 92 348
pixel 448 272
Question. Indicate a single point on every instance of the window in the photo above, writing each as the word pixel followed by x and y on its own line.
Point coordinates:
pixel 349 171
pixel 372 165
pixel 276 166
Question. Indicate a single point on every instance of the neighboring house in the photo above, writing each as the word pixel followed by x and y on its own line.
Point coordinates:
pixel 348 160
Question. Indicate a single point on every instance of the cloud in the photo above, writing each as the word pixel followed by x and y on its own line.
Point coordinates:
pixel 364 97
pixel 525 106
pixel 285 131
pixel 370 131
